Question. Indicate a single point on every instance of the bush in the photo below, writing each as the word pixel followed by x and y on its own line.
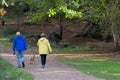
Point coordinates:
pixel 65 47
pixel 8 31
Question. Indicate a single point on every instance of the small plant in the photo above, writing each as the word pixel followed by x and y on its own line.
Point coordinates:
pixel 8 31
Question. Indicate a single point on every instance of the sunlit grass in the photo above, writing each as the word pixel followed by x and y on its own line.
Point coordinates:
pixel 105 68
pixel 2 39
pixel 5 41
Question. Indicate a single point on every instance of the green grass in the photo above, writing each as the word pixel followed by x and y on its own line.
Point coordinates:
pixel 70 48
pixel 5 41
pixel 105 68
pixel 9 72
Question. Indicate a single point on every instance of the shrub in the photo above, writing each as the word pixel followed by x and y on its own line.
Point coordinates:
pixel 24 33
pixel 8 31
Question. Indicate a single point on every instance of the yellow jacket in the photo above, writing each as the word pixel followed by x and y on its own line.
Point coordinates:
pixel 44 46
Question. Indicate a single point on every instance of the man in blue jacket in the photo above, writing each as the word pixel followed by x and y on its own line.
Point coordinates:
pixel 19 46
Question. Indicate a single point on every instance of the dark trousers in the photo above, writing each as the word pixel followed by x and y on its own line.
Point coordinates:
pixel 43 59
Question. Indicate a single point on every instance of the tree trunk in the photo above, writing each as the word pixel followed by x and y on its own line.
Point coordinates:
pixel 61 27
pixel 115 34
pixel 107 1
pixel 61 32
pixel 3 23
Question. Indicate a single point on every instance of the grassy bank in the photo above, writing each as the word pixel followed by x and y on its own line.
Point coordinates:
pixel 70 48
pixel 105 68
pixel 9 72
pixel 5 41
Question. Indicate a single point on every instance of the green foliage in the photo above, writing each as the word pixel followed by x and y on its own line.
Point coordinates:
pixel 51 12
pixel 4 3
pixel 45 8
pixel 113 11
pixel 95 11
pixel 8 31
pixel 34 17
pixel 111 15
pixel 25 33
pixel 5 41
pixel 15 8
pixel 105 68
pixel 92 9
pixel 9 72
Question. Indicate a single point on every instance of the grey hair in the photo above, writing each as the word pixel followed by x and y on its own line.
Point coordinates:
pixel 18 33
pixel 43 35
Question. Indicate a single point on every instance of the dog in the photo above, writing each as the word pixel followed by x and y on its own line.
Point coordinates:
pixel 32 59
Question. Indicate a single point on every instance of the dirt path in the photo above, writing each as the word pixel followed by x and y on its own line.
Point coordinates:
pixel 54 70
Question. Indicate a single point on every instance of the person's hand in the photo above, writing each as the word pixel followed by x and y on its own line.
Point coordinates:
pixel 25 48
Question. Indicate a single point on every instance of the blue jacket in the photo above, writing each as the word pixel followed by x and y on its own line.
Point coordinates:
pixel 19 43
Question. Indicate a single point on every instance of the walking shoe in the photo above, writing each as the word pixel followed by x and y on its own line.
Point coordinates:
pixel 18 66
pixel 43 66
pixel 23 64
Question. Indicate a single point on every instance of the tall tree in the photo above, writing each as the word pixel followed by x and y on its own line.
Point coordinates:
pixel 50 8
pixel 113 12
pixel 105 12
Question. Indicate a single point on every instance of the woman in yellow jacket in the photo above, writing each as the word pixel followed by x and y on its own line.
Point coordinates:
pixel 44 48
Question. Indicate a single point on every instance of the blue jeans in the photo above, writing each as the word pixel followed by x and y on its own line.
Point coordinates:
pixel 19 57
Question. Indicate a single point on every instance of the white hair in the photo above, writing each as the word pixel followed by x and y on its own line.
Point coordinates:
pixel 18 33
